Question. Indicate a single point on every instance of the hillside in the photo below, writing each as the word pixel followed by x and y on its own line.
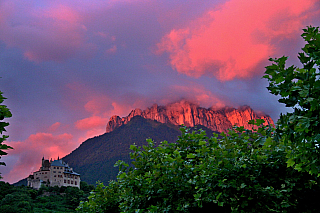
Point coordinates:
pixel 94 159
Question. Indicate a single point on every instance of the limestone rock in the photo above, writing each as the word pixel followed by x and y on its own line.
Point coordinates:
pixel 191 114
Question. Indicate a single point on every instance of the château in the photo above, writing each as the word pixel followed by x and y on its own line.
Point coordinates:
pixel 54 173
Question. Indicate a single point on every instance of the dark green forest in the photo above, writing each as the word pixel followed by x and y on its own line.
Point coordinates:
pixel 15 199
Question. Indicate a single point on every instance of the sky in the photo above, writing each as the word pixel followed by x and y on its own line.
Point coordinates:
pixel 67 66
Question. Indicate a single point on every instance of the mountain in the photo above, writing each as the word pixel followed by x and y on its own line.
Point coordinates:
pixel 22 182
pixel 94 159
pixel 190 114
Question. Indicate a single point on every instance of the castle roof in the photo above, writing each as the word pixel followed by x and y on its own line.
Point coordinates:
pixel 71 172
pixel 58 163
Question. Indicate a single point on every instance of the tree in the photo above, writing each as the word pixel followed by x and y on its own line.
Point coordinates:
pixel 85 187
pixel 4 113
pixel 16 202
pixel 299 89
pixel 244 171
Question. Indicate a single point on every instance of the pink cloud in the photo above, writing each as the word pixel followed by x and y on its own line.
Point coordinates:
pixel 54 33
pixel 230 41
pixel 98 104
pixel 112 50
pixel 101 109
pixel 197 94
pixel 91 122
pixel 62 13
pixel 122 109
pixel 54 126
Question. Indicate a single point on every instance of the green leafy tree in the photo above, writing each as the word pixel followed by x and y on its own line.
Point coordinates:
pixel 73 196
pixel 4 113
pixel 85 187
pixel 244 171
pixel 16 202
pixel 102 199
pixel 5 188
pixel 299 89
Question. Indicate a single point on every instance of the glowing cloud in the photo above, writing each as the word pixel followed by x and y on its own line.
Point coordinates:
pixel 91 122
pixel 230 41
pixel 55 33
pixel 199 95
pixel 54 126
pixel 101 108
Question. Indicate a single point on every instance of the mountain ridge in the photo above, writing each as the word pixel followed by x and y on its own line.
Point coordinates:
pixel 191 114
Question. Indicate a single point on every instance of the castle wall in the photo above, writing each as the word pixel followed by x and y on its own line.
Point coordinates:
pixel 71 180
pixel 34 183
pixel 58 174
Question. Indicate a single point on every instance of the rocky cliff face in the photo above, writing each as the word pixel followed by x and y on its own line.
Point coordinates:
pixel 191 115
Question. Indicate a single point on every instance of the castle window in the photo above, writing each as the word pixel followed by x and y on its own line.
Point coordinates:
pixel 55 176
pixel 71 182
pixel 54 171
pixel 54 167
pixel 59 172
pixel 65 181
pixel 75 182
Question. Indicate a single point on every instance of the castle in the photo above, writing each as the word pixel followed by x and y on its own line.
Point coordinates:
pixel 54 173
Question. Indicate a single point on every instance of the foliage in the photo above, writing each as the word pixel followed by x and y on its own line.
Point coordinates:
pixel 85 187
pixel 4 113
pixel 299 89
pixel 18 199
pixel 46 199
pixel 242 171
pixel 102 199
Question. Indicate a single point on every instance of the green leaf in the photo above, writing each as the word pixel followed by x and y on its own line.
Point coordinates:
pixel 191 155
pixel 243 185
pixel 290 162
pixel 133 147
pixel 201 143
pixel 218 196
